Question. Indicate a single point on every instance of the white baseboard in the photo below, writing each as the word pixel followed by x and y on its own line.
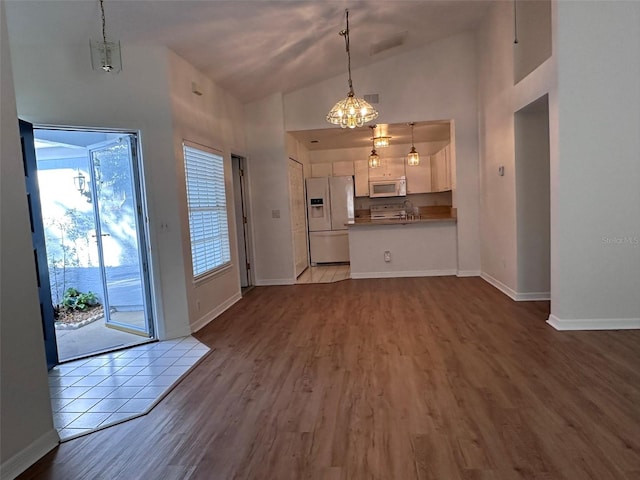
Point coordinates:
pixel 203 321
pixel 512 294
pixel 267 282
pixel 417 273
pixel 594 323
pixel 30 455
pixel 499 285
pixel 468 273
pixel 533 296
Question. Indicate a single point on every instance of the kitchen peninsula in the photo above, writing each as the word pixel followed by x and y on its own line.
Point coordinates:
pixel 425 245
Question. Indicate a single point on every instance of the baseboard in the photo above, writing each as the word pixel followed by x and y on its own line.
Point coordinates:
pixel 512 294
pixel 416 273
pixel 594 323
pixel 203 321
pixel 268 282
pixel 30 455
pixel 468 273
pixel 499 285
pixel 533 296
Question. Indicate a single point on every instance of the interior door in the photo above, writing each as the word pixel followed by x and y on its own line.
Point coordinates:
pixel 38 239
pixel 298 216
pixel 120 235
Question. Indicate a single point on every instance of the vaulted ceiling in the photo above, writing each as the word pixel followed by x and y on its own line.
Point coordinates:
pixel 251 48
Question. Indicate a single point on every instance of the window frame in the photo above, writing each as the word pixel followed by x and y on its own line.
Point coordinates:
pixel 227 262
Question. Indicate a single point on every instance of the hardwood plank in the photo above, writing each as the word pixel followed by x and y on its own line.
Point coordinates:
pixel 413 378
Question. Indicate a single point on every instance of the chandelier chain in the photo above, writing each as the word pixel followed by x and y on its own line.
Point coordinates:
pixel 104 22
pixel 345 34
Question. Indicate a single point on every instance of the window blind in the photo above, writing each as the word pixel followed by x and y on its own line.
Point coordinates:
pixel 206 202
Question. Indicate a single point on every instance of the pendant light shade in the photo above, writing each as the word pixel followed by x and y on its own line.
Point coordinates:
pixel 413 158
pixel 105 56
pixel 374 158
pixel 351 112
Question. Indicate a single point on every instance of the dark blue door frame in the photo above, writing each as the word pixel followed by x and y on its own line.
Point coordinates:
pixel 37 237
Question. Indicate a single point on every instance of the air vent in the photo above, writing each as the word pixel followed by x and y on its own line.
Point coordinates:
pixel 372 98
pixel 388 43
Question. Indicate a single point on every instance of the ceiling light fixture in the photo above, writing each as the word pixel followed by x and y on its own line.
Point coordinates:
pixel 374 159
pixel 413 159
pixel 105 56
pixel 381 141
pixel 351 112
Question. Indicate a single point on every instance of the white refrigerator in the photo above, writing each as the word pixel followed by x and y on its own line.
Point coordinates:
pixel 329 207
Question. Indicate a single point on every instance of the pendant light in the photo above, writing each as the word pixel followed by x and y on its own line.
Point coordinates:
pixel 351 112
pixel 374 159
pixel 105 56
pixel 413 159
pixel 381 141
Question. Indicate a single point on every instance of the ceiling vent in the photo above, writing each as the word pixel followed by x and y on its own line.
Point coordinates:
pixel 388 43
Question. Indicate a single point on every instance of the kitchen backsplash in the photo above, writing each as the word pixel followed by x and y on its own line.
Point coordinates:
pixel 417 200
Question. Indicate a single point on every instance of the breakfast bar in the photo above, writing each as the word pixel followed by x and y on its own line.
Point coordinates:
pixel 414 246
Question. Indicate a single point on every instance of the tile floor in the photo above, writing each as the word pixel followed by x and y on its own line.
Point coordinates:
pixel 325 274
pixel 97 392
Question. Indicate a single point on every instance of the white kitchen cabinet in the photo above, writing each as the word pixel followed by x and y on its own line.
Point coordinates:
pixel 390 168
pixel 419 176
pixel 441 170
pixel 343 168
pixel 361 172
pixel 321 169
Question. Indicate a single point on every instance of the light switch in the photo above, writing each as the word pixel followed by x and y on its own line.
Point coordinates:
pixel 275 213
pixel 501 171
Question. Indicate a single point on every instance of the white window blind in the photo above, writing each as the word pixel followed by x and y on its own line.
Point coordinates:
pixel 207 207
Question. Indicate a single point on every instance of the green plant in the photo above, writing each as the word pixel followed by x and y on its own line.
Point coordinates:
pixel 75 300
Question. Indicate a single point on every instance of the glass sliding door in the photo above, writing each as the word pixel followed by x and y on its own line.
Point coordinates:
pixel 119 234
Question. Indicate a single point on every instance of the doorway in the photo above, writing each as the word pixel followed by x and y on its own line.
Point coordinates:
pixel 241 204
pixel 533 200
pixel 96 256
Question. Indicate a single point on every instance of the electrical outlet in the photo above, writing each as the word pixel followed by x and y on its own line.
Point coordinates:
pixel 387 256
pixel 198 304
pixel 275 213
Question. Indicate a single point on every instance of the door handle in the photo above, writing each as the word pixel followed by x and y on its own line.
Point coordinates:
pixel 103 235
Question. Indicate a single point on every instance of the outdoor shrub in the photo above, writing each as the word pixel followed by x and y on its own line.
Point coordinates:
pixel 75 300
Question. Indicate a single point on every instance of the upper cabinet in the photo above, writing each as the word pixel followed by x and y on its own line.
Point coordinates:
pixel 441 170
pixel 361 173
pixel 390 168
pixel 342 168
pixel 419 176
pixel 321 169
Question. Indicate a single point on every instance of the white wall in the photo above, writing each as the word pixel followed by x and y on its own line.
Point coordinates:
pixel 26 425
pixel 596 280
pixel 432 83
pixel 498 100
pixel 214 119
pixel 268 176
pixel 55 85
pixel 534 36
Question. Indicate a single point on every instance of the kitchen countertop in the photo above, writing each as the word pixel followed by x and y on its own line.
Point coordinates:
pixel 427 215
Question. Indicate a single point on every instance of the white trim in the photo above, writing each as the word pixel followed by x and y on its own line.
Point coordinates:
pixel 533 296
pixel 266 282
pixel 30 455
pixel 594 323
pixel 412 273
pixel 512 294
pixel 468 273
pixel 499 285
pixel 203 321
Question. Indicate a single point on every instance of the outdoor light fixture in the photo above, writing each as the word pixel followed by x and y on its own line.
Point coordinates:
pixel 413 159
pixel 374 159
pixel 351 112
pixel 80 182
pixel 105 56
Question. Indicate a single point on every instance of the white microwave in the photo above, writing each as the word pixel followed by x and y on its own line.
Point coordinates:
pixel 388 187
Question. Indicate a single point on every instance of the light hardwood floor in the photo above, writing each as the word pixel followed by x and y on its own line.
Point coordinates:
pixel 423 378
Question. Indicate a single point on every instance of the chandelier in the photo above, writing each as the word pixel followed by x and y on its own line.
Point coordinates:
pixel 413 159
pixel 351 112
pixel 105 56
